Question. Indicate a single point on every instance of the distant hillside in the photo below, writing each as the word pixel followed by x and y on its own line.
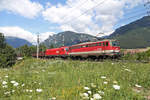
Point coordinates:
pixel 135 34
pixel 16 42
pixel 70 38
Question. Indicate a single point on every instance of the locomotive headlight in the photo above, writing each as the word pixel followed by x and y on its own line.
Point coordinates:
pixel 116 50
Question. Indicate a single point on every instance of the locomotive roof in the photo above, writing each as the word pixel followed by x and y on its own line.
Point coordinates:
pixel 93 42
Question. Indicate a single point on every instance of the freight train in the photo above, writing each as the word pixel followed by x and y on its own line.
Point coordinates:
pixel 84 50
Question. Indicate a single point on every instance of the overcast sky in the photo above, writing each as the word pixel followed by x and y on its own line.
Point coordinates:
pixel 26 18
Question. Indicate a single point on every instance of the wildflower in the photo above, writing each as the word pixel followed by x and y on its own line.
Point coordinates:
pixel 35 82
pixel 85 98
pixel 103 77
pixel 16 84
pixel 27 90
pixel 115 82
pixel 13 91
pixel 4 82
pixel 38 90
pixel 86 88
pixel 89 92
pixel 105 82
pixel 116 87
pixel 5 86
pixel 93 85
pixel 138 86
pixel 6 76
pixel 101 92
pixel 97 96
pixel 7 93
pixel 112 63
pixel 23 85
pixel 30 90
pixel 91 99
pixel 85 95
pixel 12 82
pixel 128 70
pixel 53 98
pixel 124 66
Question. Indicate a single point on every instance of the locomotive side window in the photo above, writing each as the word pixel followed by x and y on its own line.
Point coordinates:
pixel 115 43
pixel 99 44
pixel 103 43
pixel 106 43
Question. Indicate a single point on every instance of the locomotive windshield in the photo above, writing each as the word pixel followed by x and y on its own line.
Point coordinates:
pixel 115 43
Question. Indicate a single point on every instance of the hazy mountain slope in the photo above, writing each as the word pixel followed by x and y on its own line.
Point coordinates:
pixel 134 35
pixel 17 42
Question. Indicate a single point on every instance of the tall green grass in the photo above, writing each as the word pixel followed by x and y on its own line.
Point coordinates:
pixel 66 79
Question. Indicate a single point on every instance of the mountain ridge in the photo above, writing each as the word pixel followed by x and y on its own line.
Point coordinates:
pixel 134 35
pixel 16 42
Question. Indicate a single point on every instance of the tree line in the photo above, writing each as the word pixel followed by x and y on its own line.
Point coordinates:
pixel 8 54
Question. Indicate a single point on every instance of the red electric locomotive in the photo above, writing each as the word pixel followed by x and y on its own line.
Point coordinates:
pixel 57 52
pixel 100 48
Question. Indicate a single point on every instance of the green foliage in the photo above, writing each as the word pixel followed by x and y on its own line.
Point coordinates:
pixel 52 46
pixel 7 54
pixel 27 51
pixel 2 41
pixel 42 48
pixel 144 56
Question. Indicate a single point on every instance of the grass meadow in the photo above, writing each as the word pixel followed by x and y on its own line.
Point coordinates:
pixel 33 79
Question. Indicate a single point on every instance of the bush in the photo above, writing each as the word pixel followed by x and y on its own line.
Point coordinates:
pixel 144 56
pixel 7 54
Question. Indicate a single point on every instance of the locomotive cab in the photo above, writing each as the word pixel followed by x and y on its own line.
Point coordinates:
pixel 115 47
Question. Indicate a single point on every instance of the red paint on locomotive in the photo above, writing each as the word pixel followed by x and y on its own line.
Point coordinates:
pixel 105 47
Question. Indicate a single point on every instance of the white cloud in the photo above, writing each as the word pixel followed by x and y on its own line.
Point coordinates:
pixel 44 36
pixel 101 18
pixel 25 8
pixel 24 34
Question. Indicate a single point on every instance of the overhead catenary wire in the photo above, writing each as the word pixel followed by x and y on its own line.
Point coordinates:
pixel 64 17
pixel 86 11
pixel 125 19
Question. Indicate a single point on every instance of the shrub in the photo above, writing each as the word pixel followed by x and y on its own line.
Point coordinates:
pixel 7 54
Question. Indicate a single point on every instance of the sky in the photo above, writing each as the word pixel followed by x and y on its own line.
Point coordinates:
pixel 27 18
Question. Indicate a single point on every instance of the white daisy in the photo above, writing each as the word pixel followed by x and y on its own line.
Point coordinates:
pixel 97 96
pixel 16 84
pixel 116 87
pixel 91 99
pixel 105 82
pixel 86 88
pixel 4 82
pixel 101 92
pixel 12 82
pixel 103 77
pixel 38 90
pixel 89 92
pixel 138 86
pixel 5 86
pixel 53 98
pixel 85 95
